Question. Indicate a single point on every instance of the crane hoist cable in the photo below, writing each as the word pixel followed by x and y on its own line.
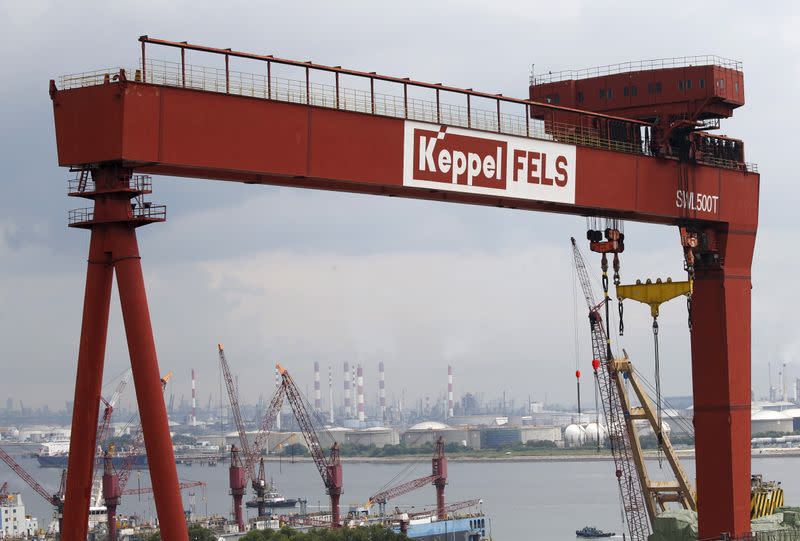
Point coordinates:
pixel 657 376
pixel 596 367
pixel 654 294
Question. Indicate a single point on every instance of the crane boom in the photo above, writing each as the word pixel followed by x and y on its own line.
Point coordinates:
pixel 633 498
pixel 233 397
pixel 25 476
pixel 148 490
pixel 138 441
pixel 3 489
pixel 449 508
pixel 275 406
pixel 399 490
pixel 306 423
pixel 110 404
pixel 329 467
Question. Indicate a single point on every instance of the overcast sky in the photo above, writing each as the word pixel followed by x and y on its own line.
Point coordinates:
pixel 296 276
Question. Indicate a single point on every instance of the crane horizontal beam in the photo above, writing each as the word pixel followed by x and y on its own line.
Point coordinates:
pixel 172 130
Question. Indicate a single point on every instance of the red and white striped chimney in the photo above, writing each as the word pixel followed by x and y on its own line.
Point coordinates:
pixel 449 391
pixel 330 394
pixel 360 383
pixel 193 419
pixel 348 404
pixel 317 391
pixel 382 390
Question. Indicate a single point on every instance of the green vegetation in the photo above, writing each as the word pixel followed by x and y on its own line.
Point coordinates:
pixel 120 442
pixel 370 533
pixel 183 439
pixel 196 533
pixel 455 450
pixel 650 441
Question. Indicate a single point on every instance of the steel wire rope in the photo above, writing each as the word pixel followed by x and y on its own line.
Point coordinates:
pixel 685 425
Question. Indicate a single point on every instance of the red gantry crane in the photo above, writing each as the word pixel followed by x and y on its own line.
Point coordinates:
pixel 399 138
pixel 438 478
pixel 250 453
pixel 329 466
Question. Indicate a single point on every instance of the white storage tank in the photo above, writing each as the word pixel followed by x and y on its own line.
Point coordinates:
pixel 574 435
pixel 592 430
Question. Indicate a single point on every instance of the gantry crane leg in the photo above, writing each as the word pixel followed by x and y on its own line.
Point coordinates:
pixel 113 247
pixel 721 384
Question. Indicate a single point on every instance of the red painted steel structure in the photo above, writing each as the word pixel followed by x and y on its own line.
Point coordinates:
pixel 237 485
pixel 111 495
pixel 169 124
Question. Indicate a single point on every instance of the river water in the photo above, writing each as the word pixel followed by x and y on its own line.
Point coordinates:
pixel 524 500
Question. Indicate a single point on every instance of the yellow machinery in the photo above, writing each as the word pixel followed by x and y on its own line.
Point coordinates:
pixel 657 493
pixel 765 497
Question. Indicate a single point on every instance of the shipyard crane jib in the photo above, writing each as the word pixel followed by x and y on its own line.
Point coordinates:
pixel 233 396
pixel 251 454
pixel 450 507
pixel 56 500
pixel 183 485
pixel 136 444
pixel 168 118
pixel 110 404
pixel 113 482
pixel 329 467
pixel 438 478
pixel 633 499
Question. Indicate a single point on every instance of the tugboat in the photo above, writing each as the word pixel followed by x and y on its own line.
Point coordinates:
pixel 591 531
pixel 274 499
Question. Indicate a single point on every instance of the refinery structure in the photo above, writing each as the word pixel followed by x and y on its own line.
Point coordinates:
pixel 578 141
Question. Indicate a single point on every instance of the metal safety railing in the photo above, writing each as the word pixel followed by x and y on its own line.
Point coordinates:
pixel 633 66
pixel 792 534
pixel 148 211
pixel 89 78
pixel 317 94
pixel 83 183
pixel 583 128
pixel 76 216
pixel 139 211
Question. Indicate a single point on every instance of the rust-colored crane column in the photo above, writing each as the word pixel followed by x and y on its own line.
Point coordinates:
pixel 440 471
pixel 111 495
pixel 721 381
pixel 237 482
pixel 113 246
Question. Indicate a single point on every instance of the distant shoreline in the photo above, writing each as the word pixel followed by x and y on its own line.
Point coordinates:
pixel 605 455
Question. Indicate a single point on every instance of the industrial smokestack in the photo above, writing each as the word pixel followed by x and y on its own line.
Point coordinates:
pixel 277 385
pixel 382 390
pixel 353 386
pixel 193 419
pixel 449 391
pixel 330 394
pixel 360 384
pixel 317 391
pixel 347 399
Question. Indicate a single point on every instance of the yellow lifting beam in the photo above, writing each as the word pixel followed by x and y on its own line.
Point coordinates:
pixel 654 293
